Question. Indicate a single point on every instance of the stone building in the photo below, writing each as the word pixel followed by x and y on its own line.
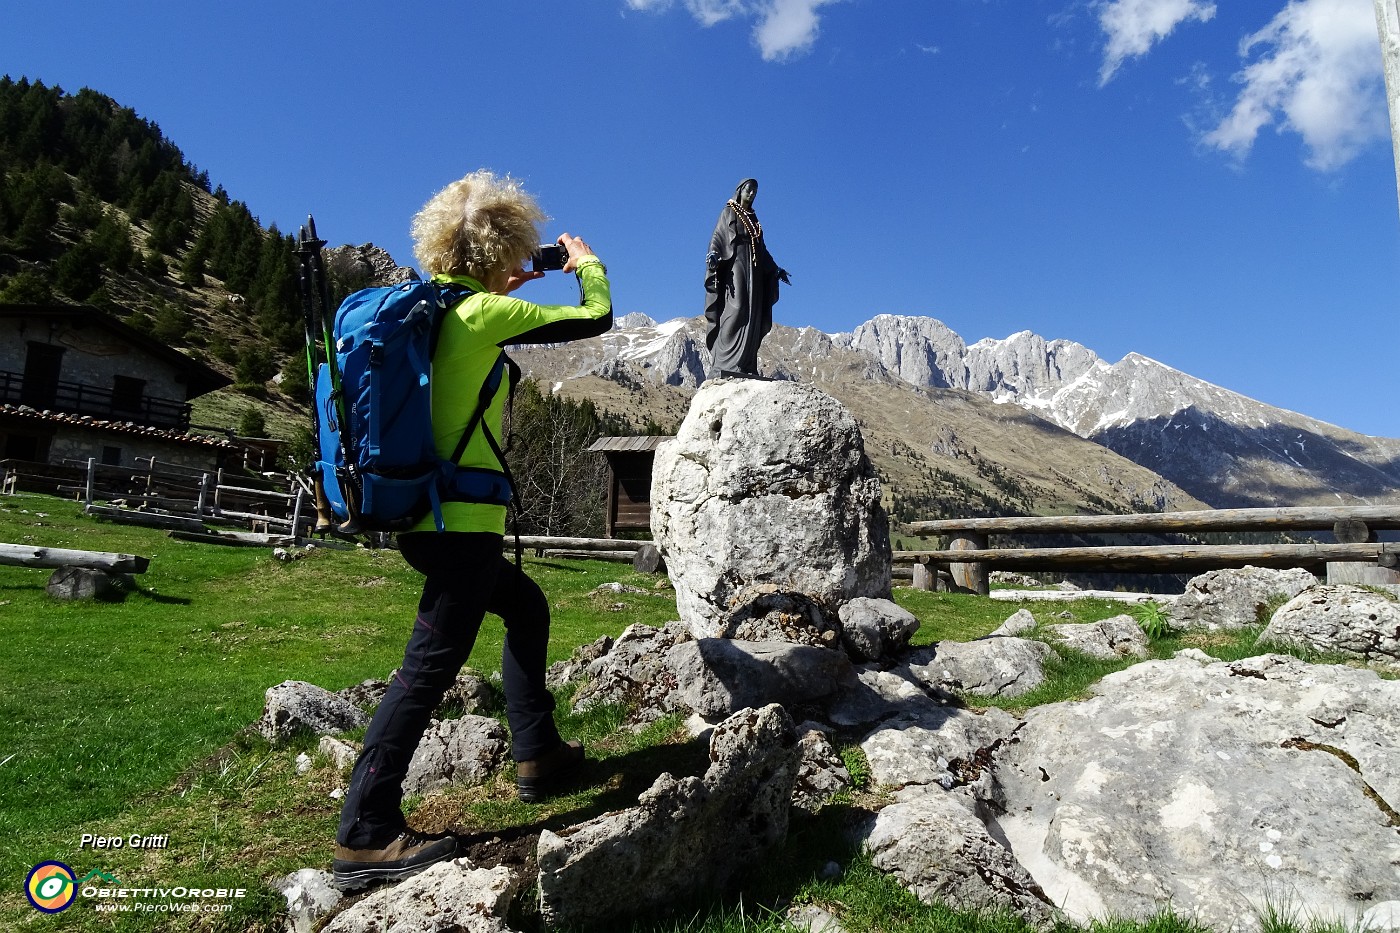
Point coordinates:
pixel 77 383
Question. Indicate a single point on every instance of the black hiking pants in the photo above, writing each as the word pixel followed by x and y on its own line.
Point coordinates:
pixel 466 577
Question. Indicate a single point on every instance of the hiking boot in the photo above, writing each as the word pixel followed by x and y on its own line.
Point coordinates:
pixel 536 778
pixel 408 854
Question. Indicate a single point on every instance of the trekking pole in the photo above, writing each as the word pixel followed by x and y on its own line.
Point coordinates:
pixel 308 254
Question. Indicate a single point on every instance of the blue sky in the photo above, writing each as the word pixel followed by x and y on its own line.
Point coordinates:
pixel 1210 184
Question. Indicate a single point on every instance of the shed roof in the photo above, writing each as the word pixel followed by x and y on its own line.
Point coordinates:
pixel 638 444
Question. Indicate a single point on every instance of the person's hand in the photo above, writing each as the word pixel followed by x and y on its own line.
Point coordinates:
pixel 576 248
pixel 519 277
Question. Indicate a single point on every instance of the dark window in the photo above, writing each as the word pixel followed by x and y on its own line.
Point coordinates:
pixel 127 394
pixel 41 367
pixel 111 456
pixel 22 447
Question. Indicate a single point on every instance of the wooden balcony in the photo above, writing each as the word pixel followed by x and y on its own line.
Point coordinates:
pixel 74 398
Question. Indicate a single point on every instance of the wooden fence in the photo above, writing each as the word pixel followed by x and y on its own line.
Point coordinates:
pixel 168 494
pixel 969 554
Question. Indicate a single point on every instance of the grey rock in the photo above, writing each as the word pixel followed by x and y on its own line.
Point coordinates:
pixel 294 706
pixel 684 836
pixel 1234 598
pixel 879 694
pixel 1018 623
pixel 1349 620
pixel 367 262
pixel 948 747
pixel 821 775
pixel 74 583
pixel 311 895
pixel 932 841
pixel 470 693
pixel 767 483
pixel 462 751
pixel 1006 667
pixel 449 897
pixel 366 694
pixel 342 754
pixel 1210 787
pixel 717 677
pixel 809 918
pixel 874 628
pixel 633 671
pixel 1107 640
pixel 576 666
pixel 765 613
pixel 1382 917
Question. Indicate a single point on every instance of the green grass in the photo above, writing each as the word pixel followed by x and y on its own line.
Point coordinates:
pixel 131 718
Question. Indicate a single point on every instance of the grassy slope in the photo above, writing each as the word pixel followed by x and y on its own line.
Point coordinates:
pixel 131 718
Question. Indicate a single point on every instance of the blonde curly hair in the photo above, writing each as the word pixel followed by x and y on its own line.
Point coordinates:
pixel 479 225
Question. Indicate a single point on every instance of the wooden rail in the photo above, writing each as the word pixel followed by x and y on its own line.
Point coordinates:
pixel 968 553
pixel 25 556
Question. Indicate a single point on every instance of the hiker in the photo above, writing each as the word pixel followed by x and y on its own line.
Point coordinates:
pixel 477 233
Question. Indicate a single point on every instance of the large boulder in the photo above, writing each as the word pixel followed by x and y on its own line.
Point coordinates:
pixel 767 483
pixel 947 746
pixel 1222 790
pixel 1343 619
pixel 684 837
pixel 874 628
pixel 1235 598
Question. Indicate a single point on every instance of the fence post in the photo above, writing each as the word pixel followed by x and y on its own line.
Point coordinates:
pixel 296 513
pixel 923 577
pixel 970 576
pixel 201 504
pixel 91 477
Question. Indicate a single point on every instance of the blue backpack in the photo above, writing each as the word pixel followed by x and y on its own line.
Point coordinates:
pixel 378 462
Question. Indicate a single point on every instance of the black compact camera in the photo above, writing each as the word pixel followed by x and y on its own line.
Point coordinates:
pixel 548 257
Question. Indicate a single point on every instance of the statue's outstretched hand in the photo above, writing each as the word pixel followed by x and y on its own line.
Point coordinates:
pixel 783 277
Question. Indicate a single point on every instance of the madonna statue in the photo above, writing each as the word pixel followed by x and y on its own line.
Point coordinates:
pixel 741 287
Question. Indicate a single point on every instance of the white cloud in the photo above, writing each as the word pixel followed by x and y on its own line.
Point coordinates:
pixel 784 27
pixel 1319 73
pixel 1134 26
pixel 788 27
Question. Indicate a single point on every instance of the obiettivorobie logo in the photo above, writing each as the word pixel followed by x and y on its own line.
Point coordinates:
pixel 51 886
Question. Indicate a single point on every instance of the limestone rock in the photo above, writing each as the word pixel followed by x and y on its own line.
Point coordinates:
pixel 931 840
pixel 948 747
pixel 1349 620
pixel 311 894
pixel 767 483
pixel 293 706
pixel 878 694
pixel 764 613
pixel 342 754
pixel 1018 623
pixel 684 836
pixel 1108 640
pixel 366 694
pixel 821 774
pixel 576 666
pixel 1231 599
pixel 717 677
pixel 633 671
pixel 449 897
pixel 1212 787
pixel 456 751
pixel 874 628
pixel 1006 667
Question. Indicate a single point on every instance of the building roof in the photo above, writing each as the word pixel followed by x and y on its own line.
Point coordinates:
pixel 640 444
pixel 27 413
pixel 198 377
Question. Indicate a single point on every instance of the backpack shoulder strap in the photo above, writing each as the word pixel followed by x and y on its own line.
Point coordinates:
pixel 488 391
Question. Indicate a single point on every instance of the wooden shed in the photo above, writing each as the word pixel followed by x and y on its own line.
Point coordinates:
pixel 629 480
